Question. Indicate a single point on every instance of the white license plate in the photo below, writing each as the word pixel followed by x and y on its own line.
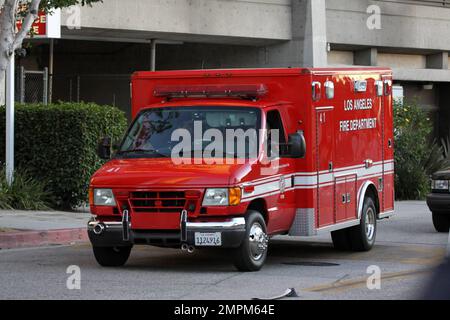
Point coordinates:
pixel 203 239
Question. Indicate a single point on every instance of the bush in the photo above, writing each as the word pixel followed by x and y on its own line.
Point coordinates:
pixel 417 156
pixel 25 193
pixel 57 144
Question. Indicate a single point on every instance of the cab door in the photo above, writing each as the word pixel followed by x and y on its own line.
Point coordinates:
pixel 280 197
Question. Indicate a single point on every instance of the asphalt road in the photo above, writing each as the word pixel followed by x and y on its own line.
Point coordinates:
pixel 407 249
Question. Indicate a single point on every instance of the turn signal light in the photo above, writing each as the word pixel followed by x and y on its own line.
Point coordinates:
pixel 91 196
pixel 235 195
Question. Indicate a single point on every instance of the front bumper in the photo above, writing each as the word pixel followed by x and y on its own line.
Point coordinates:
pixel 115 234
pixel 439 202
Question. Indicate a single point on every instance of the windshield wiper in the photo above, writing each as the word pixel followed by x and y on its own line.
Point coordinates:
pixel 143 151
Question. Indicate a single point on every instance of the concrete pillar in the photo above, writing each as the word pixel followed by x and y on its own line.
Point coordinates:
pixel 153 55
pixel 315 33
pixel 366 57
pixel 438 61
pixel 308 47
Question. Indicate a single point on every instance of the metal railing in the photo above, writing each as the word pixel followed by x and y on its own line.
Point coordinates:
pixel 104 89
pixel 32 86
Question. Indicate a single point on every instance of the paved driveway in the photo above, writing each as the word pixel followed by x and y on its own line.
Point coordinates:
pixel 406 250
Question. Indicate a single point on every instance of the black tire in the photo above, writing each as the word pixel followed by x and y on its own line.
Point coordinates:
pixel 441 222
pixel 362 236
pixel 341 240
pixel 112 256
pixel 250 256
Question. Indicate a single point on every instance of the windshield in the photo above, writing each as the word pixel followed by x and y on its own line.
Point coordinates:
pixel 193 132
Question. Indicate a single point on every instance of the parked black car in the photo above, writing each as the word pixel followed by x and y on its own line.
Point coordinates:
pixel 439 200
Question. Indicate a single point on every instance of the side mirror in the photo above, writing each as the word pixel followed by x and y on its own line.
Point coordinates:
pixel 104 148
pixel 297 145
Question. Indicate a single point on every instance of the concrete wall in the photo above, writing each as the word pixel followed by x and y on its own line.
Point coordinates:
pixel 243 33
pixel 340 58
pixel 266 22
pixel 257 33
pixel 402 25
pixel 219 21
pixel 406 61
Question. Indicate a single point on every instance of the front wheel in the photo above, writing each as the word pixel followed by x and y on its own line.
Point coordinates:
pixel 441 222
pixel 252 253
pixel 112 256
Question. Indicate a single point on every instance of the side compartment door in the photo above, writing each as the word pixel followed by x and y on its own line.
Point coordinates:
pixel 340 190
pixel 351 187
pixel 387 184
pixel 345 195
pixel 325 159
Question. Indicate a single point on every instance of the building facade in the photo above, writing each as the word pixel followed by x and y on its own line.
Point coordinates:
pixel 102 45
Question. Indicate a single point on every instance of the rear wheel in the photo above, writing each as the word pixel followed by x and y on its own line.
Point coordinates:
pixel 252 253
pixel 112 256
pixel 341 240
pixel 362 237
pixel 441 222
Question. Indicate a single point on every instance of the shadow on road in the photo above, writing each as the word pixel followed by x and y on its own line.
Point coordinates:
pixel 220 260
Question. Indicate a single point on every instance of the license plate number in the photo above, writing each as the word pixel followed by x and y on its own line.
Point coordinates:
pixel 203 239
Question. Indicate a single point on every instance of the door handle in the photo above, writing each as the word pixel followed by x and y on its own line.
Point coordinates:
pixel 368 163
pixel 346 198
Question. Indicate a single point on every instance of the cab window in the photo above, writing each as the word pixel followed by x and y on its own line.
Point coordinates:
pixel 274 122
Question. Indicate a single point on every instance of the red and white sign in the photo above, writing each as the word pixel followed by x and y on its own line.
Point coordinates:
pixel 46 25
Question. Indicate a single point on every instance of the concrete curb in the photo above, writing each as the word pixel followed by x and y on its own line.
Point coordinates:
pixel 26 239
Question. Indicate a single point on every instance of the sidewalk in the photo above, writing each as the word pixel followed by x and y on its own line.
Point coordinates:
pixel 20 229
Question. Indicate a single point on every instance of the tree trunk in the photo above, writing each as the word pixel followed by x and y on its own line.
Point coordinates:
pixel 9 40
pixel 7 24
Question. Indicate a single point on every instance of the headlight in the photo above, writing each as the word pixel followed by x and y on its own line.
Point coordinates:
pixel 440 185
pixel 104 197
pixel 215 197
pixel 222 197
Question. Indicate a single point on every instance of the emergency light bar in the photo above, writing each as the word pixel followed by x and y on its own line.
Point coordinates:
pixel 246 91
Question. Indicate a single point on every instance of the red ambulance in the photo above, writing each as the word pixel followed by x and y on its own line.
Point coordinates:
pixel 333 170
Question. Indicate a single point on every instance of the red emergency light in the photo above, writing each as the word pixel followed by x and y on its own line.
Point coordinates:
pixel 245 91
